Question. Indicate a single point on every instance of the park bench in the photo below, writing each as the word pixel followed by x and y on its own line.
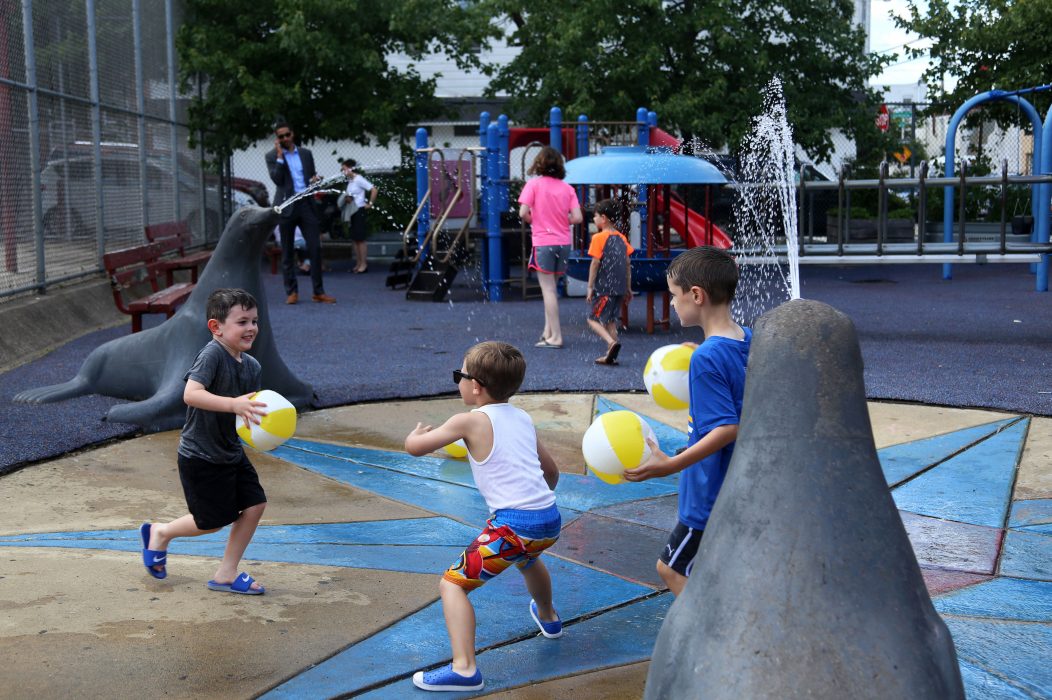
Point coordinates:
pixel 174 237
pixel 132 268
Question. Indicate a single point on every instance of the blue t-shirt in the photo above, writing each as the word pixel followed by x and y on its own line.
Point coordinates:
pixel 717 386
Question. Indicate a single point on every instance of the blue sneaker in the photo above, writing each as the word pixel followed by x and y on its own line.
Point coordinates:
pixel 446 678
pixel 551 630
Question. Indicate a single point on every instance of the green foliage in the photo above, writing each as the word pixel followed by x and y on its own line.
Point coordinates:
pixel 322 64
pixel 701 66
pixel 985 45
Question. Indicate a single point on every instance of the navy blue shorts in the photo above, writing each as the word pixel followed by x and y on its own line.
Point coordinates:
pixel 681 548
pixel 216 494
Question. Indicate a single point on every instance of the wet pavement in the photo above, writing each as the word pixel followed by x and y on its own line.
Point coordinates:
pixel 356 532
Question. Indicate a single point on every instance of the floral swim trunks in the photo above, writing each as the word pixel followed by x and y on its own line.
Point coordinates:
pixel 499 546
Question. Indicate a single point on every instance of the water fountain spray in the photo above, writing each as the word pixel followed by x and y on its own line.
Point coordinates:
pixel 326 186
pixel 765 203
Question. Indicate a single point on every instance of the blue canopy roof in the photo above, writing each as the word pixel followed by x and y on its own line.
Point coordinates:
pixel 639 165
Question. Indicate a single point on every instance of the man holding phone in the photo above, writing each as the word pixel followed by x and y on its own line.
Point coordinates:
pixel 292 170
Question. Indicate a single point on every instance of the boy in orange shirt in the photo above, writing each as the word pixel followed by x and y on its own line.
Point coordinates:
pixel 609 277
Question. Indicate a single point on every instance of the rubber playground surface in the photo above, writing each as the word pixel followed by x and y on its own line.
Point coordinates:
pixel 356 533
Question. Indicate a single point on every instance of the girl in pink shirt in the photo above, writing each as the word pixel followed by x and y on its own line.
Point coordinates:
pixel 550 206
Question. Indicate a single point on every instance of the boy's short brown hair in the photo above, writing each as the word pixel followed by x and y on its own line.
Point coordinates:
pixel 499 367
pixel 712 269
pixel 221 301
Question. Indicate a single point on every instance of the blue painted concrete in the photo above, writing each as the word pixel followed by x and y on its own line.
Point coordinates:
pixel 973 487
pixel 1027 555
pixel 1031 512
pixel 419 641
pixel 902 461
pixel 461 503
pixel 425 545
pixel 659 513
pixel 616 638
pixel 983 685
pixel 1008 650
pixel 575 492
pixel 1001 598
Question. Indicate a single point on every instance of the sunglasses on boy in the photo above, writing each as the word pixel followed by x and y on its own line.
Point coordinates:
pixel 458 375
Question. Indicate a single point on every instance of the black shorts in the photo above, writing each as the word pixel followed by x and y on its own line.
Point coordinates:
pixel 217 493
pixel 681 548
pixel 606 309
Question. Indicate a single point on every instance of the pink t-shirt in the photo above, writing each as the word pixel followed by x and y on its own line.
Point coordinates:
pixel 550 201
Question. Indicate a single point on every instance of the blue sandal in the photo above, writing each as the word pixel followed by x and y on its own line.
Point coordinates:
pixel 152 557
pixel 242 584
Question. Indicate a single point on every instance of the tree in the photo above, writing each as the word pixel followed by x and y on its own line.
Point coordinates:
pixel 322 64
pixel 984 44
pixel 700 65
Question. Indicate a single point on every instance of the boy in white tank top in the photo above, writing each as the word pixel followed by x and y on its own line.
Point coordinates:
pixel 516 476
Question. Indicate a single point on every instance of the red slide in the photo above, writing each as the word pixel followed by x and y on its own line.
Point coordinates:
pixel 698 230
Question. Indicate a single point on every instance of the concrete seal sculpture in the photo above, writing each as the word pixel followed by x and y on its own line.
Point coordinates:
pixel 805 585
pixel 148 367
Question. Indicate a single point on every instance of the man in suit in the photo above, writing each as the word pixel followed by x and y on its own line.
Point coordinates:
pixel 292 170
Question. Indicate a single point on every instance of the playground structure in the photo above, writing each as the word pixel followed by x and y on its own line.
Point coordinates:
pixel 428 263
pixel 626 155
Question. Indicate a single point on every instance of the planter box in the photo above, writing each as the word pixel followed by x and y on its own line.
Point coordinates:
pixel 975 231
pixel 865 230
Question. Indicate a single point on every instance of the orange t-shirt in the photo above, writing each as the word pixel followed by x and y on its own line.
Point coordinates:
pixel 595 248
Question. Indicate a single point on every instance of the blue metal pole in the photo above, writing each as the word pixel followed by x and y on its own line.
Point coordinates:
pixel 555 125
pixel 1044 200
pixel 951 137
pixel 643 135
pixel 483 181
pixel 643 120
pixel 582 151
pixel 505 165
pixel 494 249
pixel 423 222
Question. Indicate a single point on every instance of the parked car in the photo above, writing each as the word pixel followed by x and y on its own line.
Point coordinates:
pixel 68 193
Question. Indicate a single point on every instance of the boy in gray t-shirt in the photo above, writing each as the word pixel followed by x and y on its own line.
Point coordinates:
pixel 220 484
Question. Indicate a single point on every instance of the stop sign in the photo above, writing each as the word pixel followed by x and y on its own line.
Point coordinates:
pixel 883 120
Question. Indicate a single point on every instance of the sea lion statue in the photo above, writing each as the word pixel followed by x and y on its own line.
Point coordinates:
pixel 805 584
pixel 148 367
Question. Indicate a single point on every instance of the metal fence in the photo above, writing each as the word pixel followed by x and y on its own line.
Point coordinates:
pixel 918 132
pixel 95 139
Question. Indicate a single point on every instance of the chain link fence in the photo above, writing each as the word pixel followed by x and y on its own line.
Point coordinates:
pixel 96 145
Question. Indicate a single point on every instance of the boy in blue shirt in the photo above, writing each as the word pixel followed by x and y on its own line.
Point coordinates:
pixel 702 282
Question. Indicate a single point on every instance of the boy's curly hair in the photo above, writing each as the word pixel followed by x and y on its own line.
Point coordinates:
pixel 499 367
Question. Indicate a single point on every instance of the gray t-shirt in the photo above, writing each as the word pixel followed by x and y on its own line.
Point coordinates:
pixel 209 435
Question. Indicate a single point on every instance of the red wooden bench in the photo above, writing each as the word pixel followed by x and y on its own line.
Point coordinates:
pixel 175 237
pixel 131 267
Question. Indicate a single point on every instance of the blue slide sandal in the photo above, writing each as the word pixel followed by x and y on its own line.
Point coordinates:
pixel 152 557
pixel 242 584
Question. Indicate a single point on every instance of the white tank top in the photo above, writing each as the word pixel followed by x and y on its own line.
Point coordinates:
pixel 510 476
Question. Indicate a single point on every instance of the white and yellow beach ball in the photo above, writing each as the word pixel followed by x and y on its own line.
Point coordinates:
pixel 614 442
pixel 276 427
pixel 457 450
pixel 665 376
